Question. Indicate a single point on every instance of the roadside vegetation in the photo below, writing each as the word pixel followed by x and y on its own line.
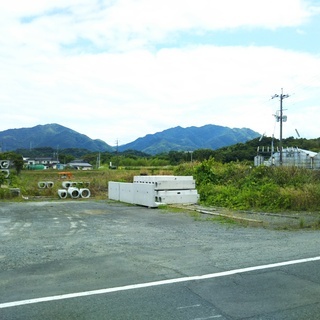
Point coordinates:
pixel 241 186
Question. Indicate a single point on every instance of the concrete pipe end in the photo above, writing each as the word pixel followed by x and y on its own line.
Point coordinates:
pixel 85 193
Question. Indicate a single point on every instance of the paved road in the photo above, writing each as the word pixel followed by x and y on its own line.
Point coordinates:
pixel 104 260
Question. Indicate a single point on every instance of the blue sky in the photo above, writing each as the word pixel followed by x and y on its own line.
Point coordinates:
pixel 121 69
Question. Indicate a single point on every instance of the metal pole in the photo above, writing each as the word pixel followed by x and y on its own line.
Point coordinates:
pixel 280 118
pixel 280 143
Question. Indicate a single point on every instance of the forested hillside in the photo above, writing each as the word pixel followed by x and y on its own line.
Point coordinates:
pixel 237 152
pixel 191 138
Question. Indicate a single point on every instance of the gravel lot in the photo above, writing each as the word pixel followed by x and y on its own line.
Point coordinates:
pixel 44 231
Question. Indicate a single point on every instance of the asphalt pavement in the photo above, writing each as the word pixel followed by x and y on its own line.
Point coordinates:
pixel 106 260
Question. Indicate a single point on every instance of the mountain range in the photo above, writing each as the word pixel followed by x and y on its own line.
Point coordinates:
pixel 173 139
pixel 191 138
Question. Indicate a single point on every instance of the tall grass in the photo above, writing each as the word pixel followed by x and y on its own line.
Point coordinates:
pixel 232 185
pixel 241 186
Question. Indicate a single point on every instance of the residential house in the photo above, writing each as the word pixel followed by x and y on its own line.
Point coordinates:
pixel 80 165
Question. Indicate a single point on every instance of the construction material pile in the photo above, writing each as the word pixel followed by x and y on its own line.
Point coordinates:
pixel 151 191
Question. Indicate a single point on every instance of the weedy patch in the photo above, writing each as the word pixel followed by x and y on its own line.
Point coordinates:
pixel 222 220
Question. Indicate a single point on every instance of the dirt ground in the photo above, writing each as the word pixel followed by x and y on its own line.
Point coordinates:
pixel 268 220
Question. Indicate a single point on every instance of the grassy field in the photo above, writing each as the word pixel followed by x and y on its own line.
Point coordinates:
pixel 236 186
pixel 243 187
pixel 233 186
pixel 28 181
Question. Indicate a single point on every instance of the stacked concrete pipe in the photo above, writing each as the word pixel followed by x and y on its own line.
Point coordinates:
pixel 5 172
pixel 74 190
pixel 62 193
pixel 45 184
pixel 84 193
pixel 4 164
pixel 66 184
pixel 4 168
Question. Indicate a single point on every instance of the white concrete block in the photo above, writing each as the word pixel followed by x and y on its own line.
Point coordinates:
pixel 126 192
pixel 114 190
pixel 177 196
pixel 149 179
pixel 150 191
pixel 144 194
pixel 175 185
pixel 154 179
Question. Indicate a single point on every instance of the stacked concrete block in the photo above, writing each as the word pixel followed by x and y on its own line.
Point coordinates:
pixel 177 196
pixel 151 191
pixel 167 182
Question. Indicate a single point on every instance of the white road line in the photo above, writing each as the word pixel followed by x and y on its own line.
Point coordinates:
pixel 192 306
pixel 155 283
pixel 217 316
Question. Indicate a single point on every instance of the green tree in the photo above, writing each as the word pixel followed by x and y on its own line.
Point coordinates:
pixel 176 157
pixel 65 158
pixel 16 159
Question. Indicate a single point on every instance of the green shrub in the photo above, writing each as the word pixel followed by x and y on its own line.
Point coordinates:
pixel 240 186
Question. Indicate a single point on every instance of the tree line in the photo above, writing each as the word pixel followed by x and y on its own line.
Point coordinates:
pixel 235 153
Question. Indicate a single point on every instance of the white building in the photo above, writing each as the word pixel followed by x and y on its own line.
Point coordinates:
pixel 291 157
pixel 47 162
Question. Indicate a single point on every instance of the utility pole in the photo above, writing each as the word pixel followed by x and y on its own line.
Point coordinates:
pixel 117 156
pixel 280 118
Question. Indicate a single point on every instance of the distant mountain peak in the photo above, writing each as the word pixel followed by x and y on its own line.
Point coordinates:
pixel 49 135
pixel 191 138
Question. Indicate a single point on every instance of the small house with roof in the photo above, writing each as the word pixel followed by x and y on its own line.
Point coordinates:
pixel 79 165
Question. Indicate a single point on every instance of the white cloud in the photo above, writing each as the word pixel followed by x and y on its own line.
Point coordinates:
pixel 130 24
pixel 87 65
